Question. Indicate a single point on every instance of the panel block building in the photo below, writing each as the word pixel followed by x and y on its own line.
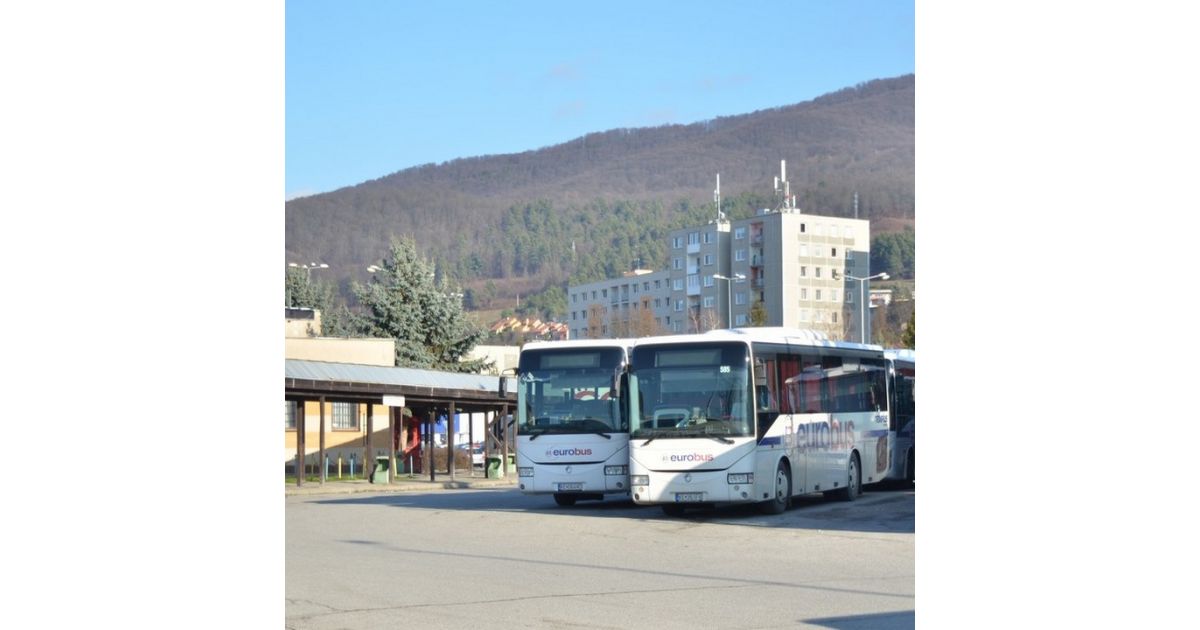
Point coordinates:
pixel 778 268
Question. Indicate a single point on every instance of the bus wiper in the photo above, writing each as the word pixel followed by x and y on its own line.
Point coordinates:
pixel 720 439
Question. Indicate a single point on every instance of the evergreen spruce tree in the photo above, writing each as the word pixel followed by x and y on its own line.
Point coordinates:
pixel 425 316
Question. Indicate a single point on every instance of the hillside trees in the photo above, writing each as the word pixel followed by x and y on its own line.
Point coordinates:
pixel 894 253
pixel 403 301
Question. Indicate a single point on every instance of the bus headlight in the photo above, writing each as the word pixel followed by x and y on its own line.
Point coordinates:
pixel 740 478
pixel 616 470
pixel 639 480
pixel 525 472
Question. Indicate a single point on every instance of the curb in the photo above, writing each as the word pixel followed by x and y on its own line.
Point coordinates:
pixel 403 485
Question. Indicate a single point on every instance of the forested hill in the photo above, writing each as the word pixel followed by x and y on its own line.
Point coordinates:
pixel 513 219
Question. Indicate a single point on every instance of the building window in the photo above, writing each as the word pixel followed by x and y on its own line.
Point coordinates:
pixel 646 286
pixel 740 233
pixel 677 242
pixel 677 263
pixel 345 416
pixel 740 319
pixel 833 295
pixel 572 315
pixel 833 252
pixel 739 254
pixel 708 237
pixel 803 251
pixel 708 259
pixel 290 414
pixel 817 270
pixel 657 302
pixel 803 271
pixel 818 294
pixel 708 301
pixel 739 298
pixel 849 297
pixel 678 284
pixel 574 297
pixel 693 281
pixel 833 316
pixel 678 305
pixel 803 294
pixel 804 315
pixel 693 238
pixel 802 228
pixel 593 295
pixel 708 281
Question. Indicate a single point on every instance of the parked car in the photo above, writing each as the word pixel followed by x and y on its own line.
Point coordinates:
pixel 476 453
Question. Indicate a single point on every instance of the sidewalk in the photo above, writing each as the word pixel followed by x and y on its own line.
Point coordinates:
pixel 402 483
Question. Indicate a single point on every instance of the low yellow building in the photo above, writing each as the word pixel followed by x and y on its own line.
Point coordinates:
pixel 364 396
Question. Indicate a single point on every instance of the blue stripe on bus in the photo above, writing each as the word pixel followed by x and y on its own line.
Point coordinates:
pixel 767 441
pixel 880 433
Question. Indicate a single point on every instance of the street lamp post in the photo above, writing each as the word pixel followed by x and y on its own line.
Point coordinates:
pixel 862 305
pixel 308 276
pixel 729 295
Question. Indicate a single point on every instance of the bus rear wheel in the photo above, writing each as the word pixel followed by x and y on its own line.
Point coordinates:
pixel 910 474
pixel 564 500
pixel 853 481
pixel 783 491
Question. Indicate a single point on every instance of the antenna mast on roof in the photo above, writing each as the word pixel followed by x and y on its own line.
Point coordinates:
pixel 717 199
pixel 789 201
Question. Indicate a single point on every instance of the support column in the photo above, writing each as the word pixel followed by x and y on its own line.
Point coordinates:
pixel 299 466
pixel 450 440
pixel 393 428
pixel 504 442
pixel 321 452
pixel 369 459
pixel 471 442
pixel 429 442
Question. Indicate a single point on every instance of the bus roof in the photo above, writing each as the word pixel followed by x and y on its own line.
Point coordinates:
pixel 578 343
pixel 901 354
pixel 767 334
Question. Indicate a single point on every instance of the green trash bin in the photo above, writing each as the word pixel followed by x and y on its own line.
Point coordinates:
pixel 512 464
pixel 493 468
pixel 381 469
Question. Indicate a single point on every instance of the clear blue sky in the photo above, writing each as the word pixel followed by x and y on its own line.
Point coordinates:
pixel 373 87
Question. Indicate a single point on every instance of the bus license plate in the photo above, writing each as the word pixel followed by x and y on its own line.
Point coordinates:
pixel 689 497
pixel 568 487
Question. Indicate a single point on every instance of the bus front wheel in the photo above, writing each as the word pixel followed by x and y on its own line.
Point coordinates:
pixel 783 491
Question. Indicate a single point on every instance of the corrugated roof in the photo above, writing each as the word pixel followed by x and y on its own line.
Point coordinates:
pixel 379 375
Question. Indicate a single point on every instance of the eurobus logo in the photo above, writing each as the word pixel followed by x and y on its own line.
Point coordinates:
pixel 690 457
pixel 568 452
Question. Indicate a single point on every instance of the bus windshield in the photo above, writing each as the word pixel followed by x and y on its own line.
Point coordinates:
pixel 692 390
pixel 571 391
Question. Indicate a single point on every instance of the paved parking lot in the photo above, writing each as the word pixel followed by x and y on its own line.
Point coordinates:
pixel 491 557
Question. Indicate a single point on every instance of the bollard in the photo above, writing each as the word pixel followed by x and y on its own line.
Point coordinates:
pixel 326 467
pixel 339 465
pixel 352 465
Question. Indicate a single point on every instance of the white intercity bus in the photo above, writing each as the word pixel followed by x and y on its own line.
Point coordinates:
pixel 754 415
pixel 573 431
pixel 902 380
